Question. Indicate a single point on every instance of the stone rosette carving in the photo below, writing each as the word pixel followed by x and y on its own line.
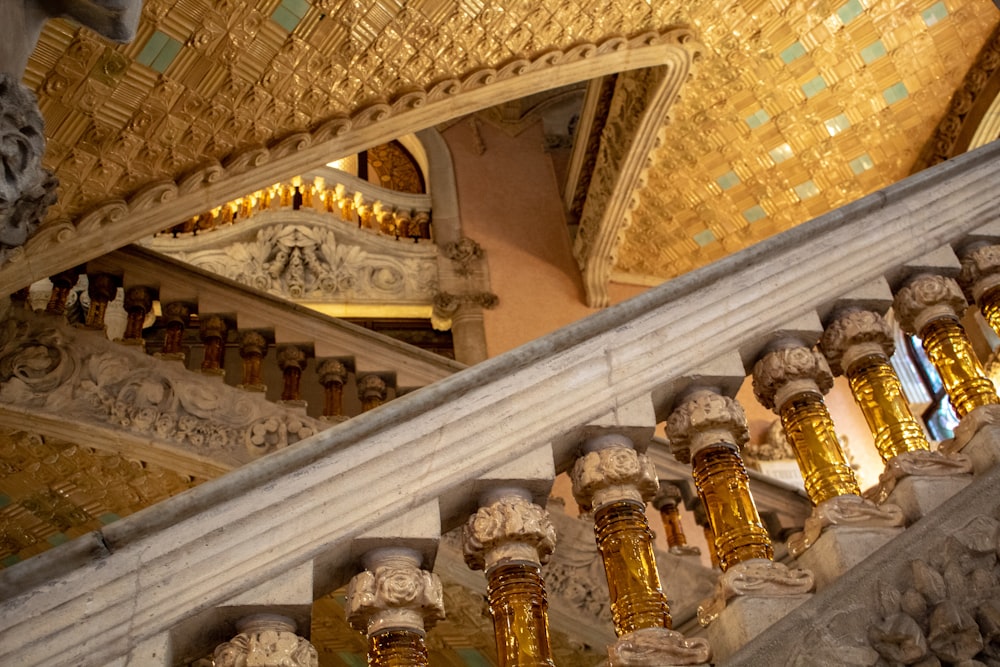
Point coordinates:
pixel 399 592
pixel 656 647
pixel 925 298
pixel 920 463
pixel 331 371
pixel 779 369
pixel 611 474
pixel 71 374
pixel 762 578
pixel 266 641
pixel 463 253
pixel 291 356
pixel 703 419
pixel 855 332
pixel 372 386
pixel 980 271
pixel 846 510
pixel 509 528
pixel 27 190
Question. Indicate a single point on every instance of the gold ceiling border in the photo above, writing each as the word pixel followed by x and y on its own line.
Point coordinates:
pixel 64 243
pixel 968 105
pixel 637 114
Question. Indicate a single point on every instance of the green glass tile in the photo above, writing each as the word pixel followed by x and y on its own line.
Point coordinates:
pixel 757 119
pixel 728 180
pixel 806 190
pixel 285 18
pixel 793 52
pixel 296 7
pixel 814 87
pixel 861 164
pixel 4 500
pixel 704 238
pixel 166 56
pixel 850 11
pixel 152 48
pixel 935 13
pixel 781 153
pixel 352 659
pixel 895 93
pixel 57 539
pixel 12 559
pixel 754 213
pixel 473 658
pixel 837 124
pixel 110 517
pixel 873 51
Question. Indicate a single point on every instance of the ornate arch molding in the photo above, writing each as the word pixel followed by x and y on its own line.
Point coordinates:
pixel 60 244
pixel 962 127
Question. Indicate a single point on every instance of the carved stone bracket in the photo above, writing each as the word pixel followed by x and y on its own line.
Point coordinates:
pixel 446 305
pixel 266 640
pixel 925 298
pixel 464 253
pixel 846 510
pixel 658 647
pixel 920 463
pixel 512 528
pixel 755 578
pixel 66 374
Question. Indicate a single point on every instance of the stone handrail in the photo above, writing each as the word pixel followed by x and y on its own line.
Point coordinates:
pixel 104 593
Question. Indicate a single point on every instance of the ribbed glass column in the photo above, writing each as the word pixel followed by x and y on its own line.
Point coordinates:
pixel 989 304
pixel 810 431
pixel 672 527
pixel 397 648
pixel 520 615
pixel 724 487
pixel 879 393
pixel 963 376
pixel 626 546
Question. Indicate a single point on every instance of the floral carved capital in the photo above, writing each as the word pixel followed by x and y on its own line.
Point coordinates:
pixel 267 641
pixel 854 328
pixel 978 264
pixel 927 297
pixel 611 474
pixel 372 386
pixel 291 356
pixel 783 366
pixel 331 371
pixel 391 588
pixel 510 520
pixel 705 414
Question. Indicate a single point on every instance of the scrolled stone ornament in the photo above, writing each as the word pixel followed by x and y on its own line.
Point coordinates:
pixel 503 529
pixel 266 640
pixel 919 463
pixel 656 647
pixel 845 510
pixel 757 577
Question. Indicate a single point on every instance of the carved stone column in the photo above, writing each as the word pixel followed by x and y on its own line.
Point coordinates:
pixel 616 481
pixel 212 330
pixel 708 429
pixel 266 640
pixel 463 314
pixel 292 361
pixel 791 379
pixel 332 375
pixel 667 501
pixel 394 602
pixel 138 303
pixel 253 347
pixel 858 343
pixel 62 284
pixel 102 289
pixel 176 316
pixel 372 391
pixel 510 538
pixel 929 306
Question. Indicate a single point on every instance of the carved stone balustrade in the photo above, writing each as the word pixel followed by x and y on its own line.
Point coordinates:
pixel 332 375
pixel 102 289
pixel 138 304
pixel 292 361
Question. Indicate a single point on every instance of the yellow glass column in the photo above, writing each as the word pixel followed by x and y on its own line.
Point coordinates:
pixel 858 344
pixel 791 381
pixel 176 316
pixel 213 335
pixel 253 347
pixel 291 361
pixel 102 289
pixel 616 481
pixel 707 429
pixel 62 284
pixel 372 391
pixel 394 602
pixel 667 501
pixel 138 303
pixel 930 306
pixel 332 375
pixel 510 538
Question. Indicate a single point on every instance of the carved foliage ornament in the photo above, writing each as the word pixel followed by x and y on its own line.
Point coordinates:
pixel 26 189
pixel 703 412
pixel 611 468
pixel 56 370
pixel 510 519
pixel 779 367
pixel 924 295
pixel 464 254
pixel 979 263
pixel 394 586
pixel 655 647
pixel 853 328
pixel 267 641
pixel 759 577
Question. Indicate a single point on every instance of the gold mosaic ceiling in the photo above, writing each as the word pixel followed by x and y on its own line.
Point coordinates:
pixel 797 107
